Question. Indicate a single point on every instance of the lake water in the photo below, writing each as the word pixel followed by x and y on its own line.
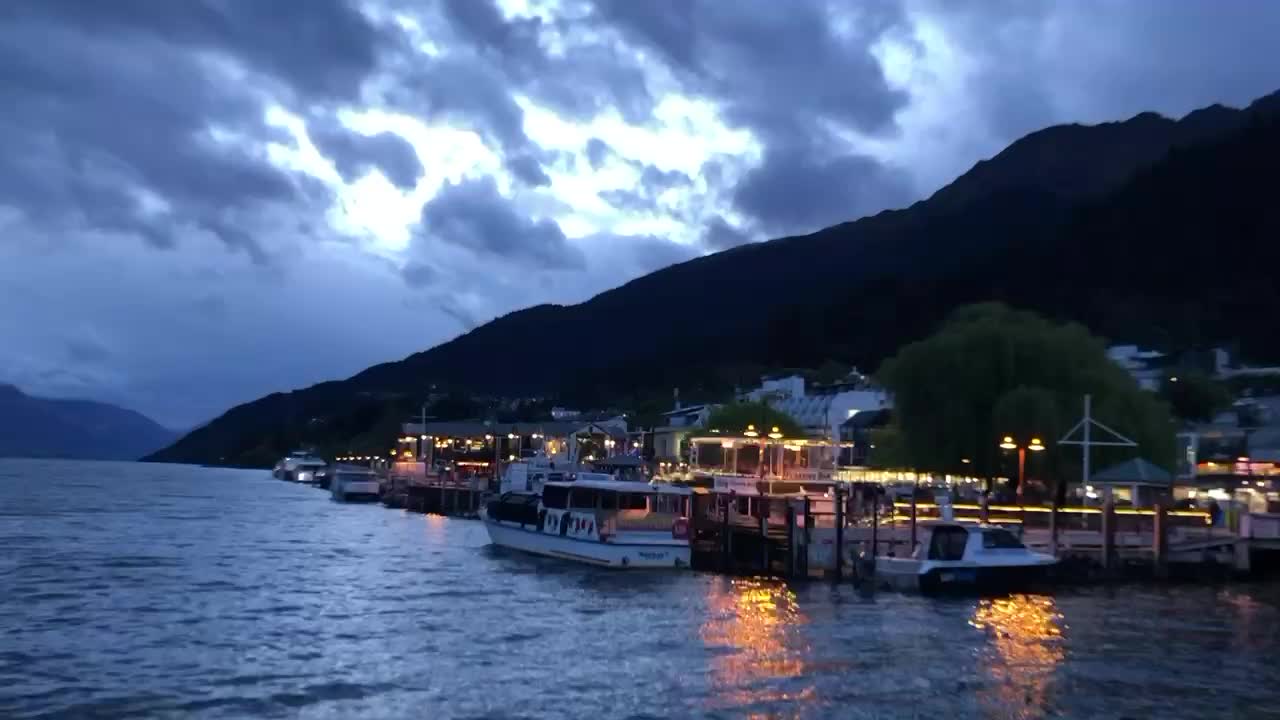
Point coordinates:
pixel 167 591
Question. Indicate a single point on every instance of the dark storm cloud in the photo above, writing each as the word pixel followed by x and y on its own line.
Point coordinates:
pixel 786 71
pixel 654 253
pixel 457 312
pixel 597 151
pixel 1034 64
pixel 720 235
pixel 475 81
pixel 468 92
pixel 656 181
pixel 769 62
pixel 472 214
pixel 419 275
pixel 116 112
pixel 322 50
pixel 81 349
pixel 628 200
pixel 792 192
pixel 652 183
pixel 355 154
pixel 580 79
pixel 527 170
pixel 619 258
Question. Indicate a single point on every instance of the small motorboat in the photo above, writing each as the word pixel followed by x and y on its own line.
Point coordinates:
pixel 961 557
pixel 348 483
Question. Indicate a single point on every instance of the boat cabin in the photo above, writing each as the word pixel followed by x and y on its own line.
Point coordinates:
pixel 622 467
pixel 528 476
pixel 952 555
pixel 614 507
pixel 956 541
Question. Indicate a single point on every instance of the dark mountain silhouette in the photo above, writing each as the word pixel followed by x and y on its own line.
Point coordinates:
pixel 1145 230
pixel 81 429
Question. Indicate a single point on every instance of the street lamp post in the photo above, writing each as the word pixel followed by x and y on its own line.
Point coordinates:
pixel 1035 446
pixel 776 436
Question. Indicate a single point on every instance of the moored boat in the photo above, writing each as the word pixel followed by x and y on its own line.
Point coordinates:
pixel 299 466
pixel 596 520
pixel 348 483
pixel 963 557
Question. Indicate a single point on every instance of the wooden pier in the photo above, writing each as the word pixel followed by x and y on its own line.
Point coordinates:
pixel 789 536
pixel 446 493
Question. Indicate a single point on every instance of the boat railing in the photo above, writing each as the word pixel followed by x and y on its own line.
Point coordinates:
pixel 444 480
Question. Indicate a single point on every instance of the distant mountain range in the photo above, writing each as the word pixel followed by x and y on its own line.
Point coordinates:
pixel 1149 230
pixel 80 429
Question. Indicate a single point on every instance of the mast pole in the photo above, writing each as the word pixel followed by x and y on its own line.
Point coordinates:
pixel 1084 448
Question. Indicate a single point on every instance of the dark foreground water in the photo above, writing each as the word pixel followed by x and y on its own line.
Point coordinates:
pixel 164 591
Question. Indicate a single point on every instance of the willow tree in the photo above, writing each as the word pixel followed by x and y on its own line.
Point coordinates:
pixel 991 372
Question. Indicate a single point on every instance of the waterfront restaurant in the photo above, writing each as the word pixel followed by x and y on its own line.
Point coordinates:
pixel 474 441
pixel 1236 468
pixel 764 462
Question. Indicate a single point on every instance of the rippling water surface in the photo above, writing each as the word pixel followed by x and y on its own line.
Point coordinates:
pixel 164 591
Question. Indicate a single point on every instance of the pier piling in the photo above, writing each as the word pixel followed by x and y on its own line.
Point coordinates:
pixel 1108 534
pixel 791 540
pixel 807 535
pixel 764 533
pixel 1160 543
pixel 726 542
pixel 839 558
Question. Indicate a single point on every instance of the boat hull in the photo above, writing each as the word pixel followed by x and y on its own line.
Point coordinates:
pixel 590 552
pixel 349 491
pixel 965 580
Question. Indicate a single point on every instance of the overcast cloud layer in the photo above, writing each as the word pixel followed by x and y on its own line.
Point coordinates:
pixel 205 201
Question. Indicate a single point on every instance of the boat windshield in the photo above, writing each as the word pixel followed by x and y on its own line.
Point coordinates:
pixel 1000 539
pixel 948 543
pixel 555 497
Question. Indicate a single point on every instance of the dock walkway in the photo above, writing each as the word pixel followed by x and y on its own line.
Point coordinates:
pixel 784 535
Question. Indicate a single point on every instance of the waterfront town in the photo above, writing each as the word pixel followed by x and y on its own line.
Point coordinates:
pixel 802 476
pixel 638 359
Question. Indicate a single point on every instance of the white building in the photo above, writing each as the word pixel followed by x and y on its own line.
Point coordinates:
pixel 1224 368
pixel 776 388
pixel 1146 366
pixel 668 440
pixel 1150 367
pixel 559 413
pixel 823 410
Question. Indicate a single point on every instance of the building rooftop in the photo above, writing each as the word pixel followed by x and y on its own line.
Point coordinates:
pixel 478 429
pixel 684 410
pixel 1133 472
pixel 868 419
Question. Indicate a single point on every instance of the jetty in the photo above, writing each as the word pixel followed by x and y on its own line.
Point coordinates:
pixel 784 507
pixel 804 537
pixel 764 504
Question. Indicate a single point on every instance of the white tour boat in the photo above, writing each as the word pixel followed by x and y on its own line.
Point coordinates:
pixel 300 467
pixel 594 519
pixel 966 557
pixel 354 483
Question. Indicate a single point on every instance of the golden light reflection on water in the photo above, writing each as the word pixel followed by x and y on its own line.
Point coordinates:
pixel 436 526
pixel 755 624
pixel 1024 652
